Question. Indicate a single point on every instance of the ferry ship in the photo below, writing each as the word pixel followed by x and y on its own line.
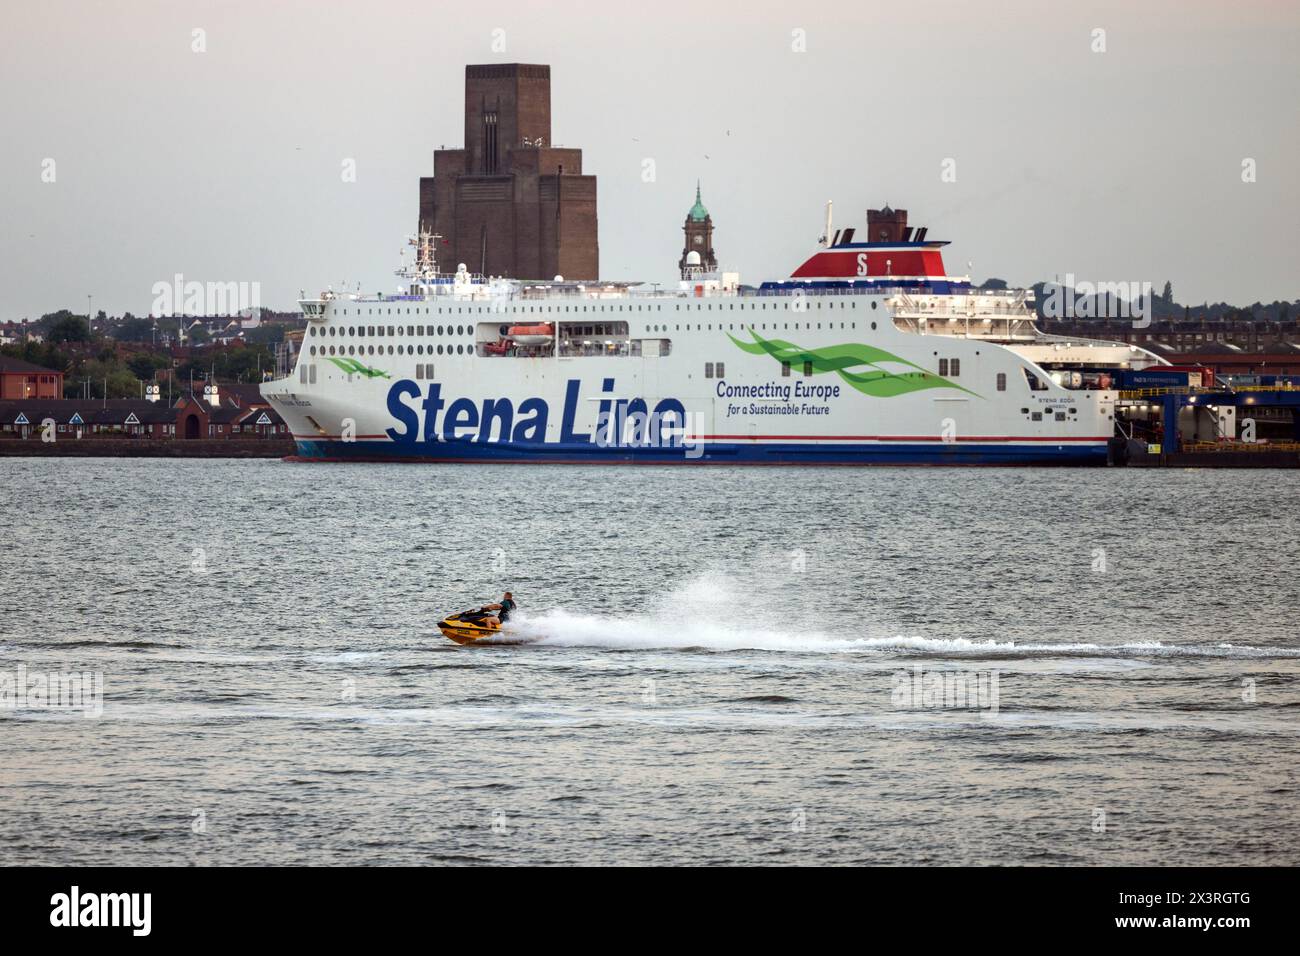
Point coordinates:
pixel 869 353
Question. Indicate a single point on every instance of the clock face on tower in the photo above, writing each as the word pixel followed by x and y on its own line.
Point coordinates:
pixel 699 240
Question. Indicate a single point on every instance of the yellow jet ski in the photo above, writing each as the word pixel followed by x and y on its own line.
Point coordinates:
pixel 469 626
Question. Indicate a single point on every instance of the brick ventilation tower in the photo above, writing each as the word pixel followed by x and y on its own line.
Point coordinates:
pixel 509 203
pixel 887 225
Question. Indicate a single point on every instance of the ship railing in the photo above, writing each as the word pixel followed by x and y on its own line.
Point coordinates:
pixel 983 302
pixel 1155 392
pixel 631 349
pixel 1231 444
pixel 1195 390
pixel 962 305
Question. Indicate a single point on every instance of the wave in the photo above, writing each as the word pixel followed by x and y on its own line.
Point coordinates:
pixel 710 614
pixel 108 644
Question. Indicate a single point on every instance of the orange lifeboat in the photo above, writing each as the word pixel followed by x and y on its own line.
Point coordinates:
pixel 532 334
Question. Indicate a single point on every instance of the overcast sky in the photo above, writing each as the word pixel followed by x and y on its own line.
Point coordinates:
pixel 225 165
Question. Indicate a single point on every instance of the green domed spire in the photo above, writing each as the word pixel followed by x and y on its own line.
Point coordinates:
pixel 698 213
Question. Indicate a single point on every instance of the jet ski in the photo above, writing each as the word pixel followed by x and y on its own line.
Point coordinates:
pixel 470 626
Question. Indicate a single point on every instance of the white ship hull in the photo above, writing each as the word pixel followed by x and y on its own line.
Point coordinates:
pixel 755 379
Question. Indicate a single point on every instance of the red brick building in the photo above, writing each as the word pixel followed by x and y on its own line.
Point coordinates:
pixel 19 379
pixel 235 411
pixel 86 418
pixel 224 411
pixel 509 203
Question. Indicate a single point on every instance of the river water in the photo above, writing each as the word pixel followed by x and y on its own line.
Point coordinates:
pixel 766 665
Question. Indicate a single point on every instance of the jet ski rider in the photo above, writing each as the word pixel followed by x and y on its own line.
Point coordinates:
pixel 504 608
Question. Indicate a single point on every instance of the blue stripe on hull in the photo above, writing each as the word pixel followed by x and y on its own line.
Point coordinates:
pixel 784 453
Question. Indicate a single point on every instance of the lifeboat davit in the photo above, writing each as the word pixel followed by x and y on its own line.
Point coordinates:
pixel 532 334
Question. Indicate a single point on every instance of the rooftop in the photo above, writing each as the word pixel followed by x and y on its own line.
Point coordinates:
pixel 8 364
pixel 698 213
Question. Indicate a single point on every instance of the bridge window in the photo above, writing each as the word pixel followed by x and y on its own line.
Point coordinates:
pixel 708 370
pixel 785 369
pixel 1036 384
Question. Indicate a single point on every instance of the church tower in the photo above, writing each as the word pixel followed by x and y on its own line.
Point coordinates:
pixel 698 256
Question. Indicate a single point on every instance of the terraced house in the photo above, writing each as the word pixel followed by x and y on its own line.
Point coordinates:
pixel 216 412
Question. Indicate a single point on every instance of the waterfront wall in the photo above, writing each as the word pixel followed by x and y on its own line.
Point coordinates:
pixel 148 448
pixel 1218 459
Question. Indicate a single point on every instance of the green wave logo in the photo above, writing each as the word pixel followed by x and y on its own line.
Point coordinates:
pixel 874 380
pixel 353 367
